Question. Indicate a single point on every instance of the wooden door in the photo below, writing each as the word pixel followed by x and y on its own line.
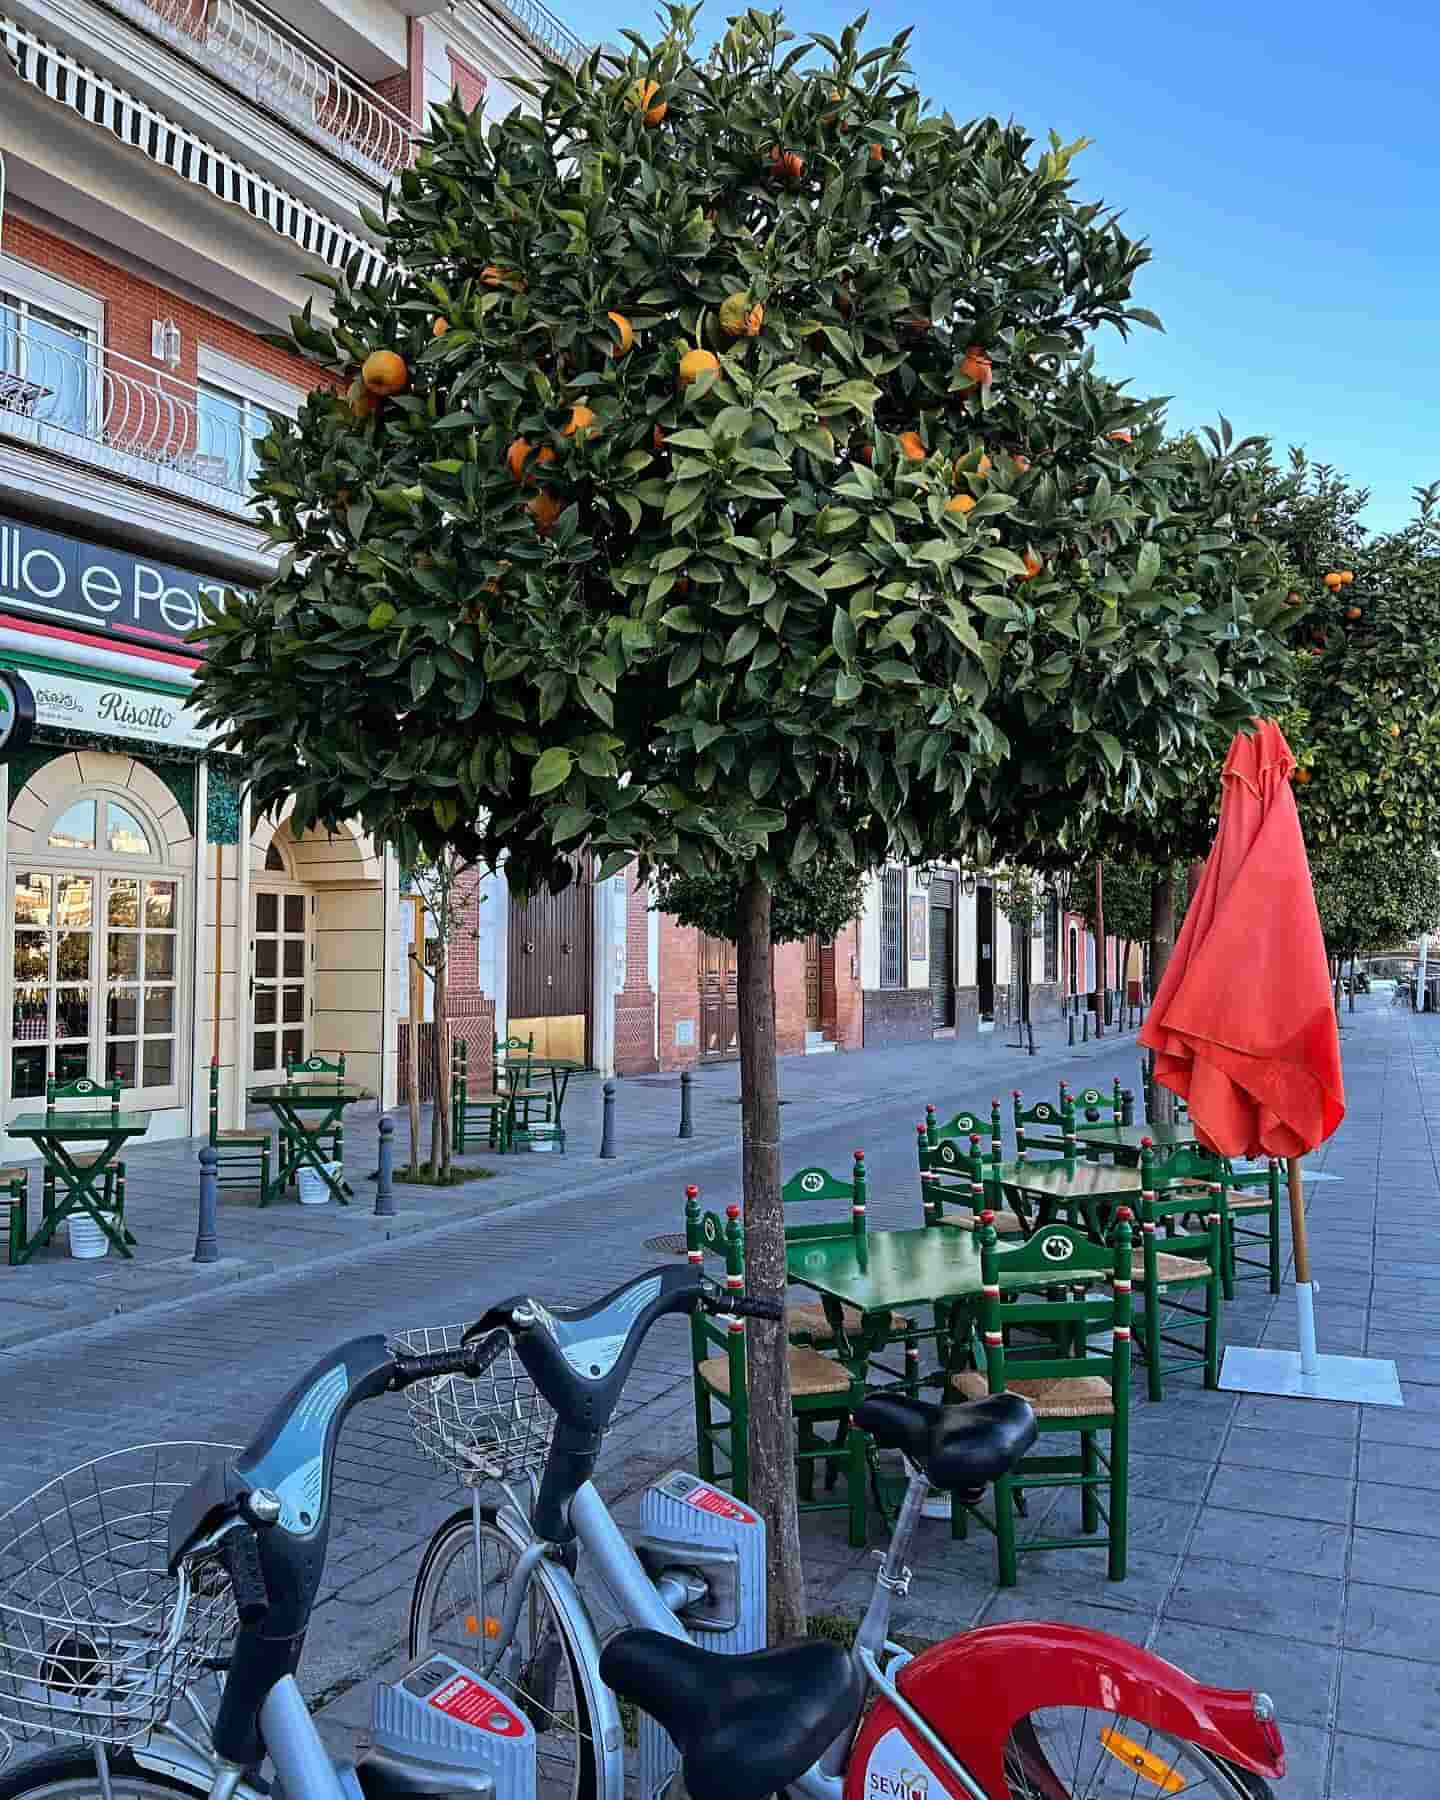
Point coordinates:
pixel 814 1010
pixel 985 949
pixel 942 967
pixel 719 998
pixel 551 968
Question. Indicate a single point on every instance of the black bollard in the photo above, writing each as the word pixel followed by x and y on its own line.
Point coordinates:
pixel 687 1124
pixel 1070 1016
pixel 207 1229
pixel 1085 1034
pixel 607 1125
pixel 1127 1106
pixel 384 1193
pixel 1030 1034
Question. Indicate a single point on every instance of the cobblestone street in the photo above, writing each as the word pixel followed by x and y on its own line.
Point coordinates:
pixel 1288 1544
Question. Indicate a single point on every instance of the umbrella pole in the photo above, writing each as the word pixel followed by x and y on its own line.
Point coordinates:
pixel 1304 1291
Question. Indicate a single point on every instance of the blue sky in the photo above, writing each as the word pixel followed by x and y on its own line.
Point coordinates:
pixel 1275 156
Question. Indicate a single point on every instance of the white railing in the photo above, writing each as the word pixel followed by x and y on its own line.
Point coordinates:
pixel 251 49
pixel 542 27
pixel 78 400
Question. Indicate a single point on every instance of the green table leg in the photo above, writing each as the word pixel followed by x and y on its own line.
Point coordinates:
pixel 80 1196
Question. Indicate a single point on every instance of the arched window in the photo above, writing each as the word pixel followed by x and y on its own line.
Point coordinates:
pixel 274 862
pixel 96 951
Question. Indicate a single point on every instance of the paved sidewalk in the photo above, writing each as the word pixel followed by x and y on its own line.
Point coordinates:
pixel 55 1291
pixel 1291 1545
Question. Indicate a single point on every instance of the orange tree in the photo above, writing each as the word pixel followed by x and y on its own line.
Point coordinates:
pixel 724 485
pixel 1375 896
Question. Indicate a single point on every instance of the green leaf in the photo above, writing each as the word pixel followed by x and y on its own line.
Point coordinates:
pixel 845 572
pixel 381 615
pixel 1142 315
pixel 848 686
pixel 1111 749
pixel 422 675
pixel 551 771
pixel 1147 567
pixel 743 640
pixel 569 823
pixel 843 635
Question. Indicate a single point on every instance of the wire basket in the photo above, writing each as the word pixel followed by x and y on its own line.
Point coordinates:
pixel 96 1636
pixel 496 1428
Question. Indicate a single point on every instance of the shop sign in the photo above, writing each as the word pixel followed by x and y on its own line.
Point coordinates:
pixel 65 703
pixel 109 592
pixel 17 713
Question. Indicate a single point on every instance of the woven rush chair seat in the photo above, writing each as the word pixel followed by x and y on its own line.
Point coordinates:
pixel 1171 1268
pixel 1246 1203
pixel 13 1172
pixel 812 1320
pixel 1070 1397
pixel 811 1374
pixel 1007 1224
pixel 244 1135
pixel 83 1159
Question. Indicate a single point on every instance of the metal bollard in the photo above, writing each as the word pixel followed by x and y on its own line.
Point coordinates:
pixel 607 1125
pixel 207 1229
pixel 1070 1015
pixel 1085 1034
pixel 1127 1106
pixel 1030 1034
pixel 384 1193
pixel 687 1124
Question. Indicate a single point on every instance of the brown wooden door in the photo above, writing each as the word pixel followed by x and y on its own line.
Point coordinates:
pixel 551 968
pixel 719 999
pixel 814 1011
pixel 942 968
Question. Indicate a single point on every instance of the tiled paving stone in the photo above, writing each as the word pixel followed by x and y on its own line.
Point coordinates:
pixel 1221 1514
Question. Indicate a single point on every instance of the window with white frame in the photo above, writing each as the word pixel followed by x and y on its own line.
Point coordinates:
pixel 235 408
pixel 50 338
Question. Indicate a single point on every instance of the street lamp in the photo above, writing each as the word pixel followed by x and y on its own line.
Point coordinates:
pixel 969 887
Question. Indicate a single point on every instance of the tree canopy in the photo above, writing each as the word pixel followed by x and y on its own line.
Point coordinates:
pixel 1375 896
pixel 821 902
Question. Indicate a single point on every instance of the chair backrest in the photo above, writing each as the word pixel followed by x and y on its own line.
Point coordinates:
pixel 815 1184
pixel 708 1333
pixel 949 1143
pixel 1059 1277
pixel 84 1087
pixel 1268 1177
pixel 515 1054
pixel 1057 1116
pixel 949 1173
pixel 1188 1185
pixel 314 1065
pixel 1091 1104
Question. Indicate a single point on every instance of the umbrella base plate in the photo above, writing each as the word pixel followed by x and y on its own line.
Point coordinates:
pixel 1362 1380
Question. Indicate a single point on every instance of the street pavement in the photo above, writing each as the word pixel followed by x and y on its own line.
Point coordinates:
pixel 1291 1545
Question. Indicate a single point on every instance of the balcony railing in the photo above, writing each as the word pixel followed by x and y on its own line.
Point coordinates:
pixel 84 402
pixel 252 50
pixel 543 29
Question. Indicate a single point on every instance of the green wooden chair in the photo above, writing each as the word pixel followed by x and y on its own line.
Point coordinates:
pixel 1148 1086
pixel 492 1108
pixel 950 1175
pixel 243 1154
pixel 514 1066
pixel 1058 1291
pixel 808 1323
pixel 1050 1116
pixel 112 1194
pixel 1095 1106
pixel 950 1143
pixel 1179 1264
pixel 822 1394
pixel 1250 1215
pixel 15 1199
pixel 297 1067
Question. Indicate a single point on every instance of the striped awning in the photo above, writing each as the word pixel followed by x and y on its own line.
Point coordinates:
pixel 136 123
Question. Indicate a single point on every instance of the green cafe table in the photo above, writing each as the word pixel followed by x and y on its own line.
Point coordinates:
pixel 559 1069
pixel 1125 1140
pixel 306 1112
pixel 1065 1188
pixel 58 1136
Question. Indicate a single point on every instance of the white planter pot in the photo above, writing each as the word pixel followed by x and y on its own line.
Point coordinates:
pixel 311 1185
pixel 87 1240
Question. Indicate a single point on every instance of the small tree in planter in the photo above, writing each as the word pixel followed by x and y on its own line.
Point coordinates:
pixel 725 484
pixel 450 898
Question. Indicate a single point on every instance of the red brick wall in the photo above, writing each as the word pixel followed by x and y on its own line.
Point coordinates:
pixel 132 303
pixel 849 1003
pixel 406 91
pixel 788 964
pixel 635 1003
pixel 470 1011
pixel 471 83
pixel 679 996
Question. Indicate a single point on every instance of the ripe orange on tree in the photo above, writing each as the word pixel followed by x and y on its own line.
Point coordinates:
pixel 912 445
pixel 642 99
pixel 1353 612
pixel 493 276
pixel 1033 565
pixel 545 510
pixel 517 456
pixel 1303 777
pixel 581 421
pixel 786 165
pixel 1394 731
pixel 384 373
pixel 627 334
pixel 657 438
pixel 440 327
pixel 1335 580
pixel 960 503
pixel 1021 462
pixel 695 363
pixel 1122 437
pixel 976 366
pixel 740 316
pixel 877 153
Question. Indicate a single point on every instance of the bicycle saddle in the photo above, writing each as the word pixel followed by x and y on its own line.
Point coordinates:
pixel 959 1447
pixel 744 1725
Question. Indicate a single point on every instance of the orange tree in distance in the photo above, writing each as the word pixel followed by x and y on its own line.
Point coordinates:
pixel 734 624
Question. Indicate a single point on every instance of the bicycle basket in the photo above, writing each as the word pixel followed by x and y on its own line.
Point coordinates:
pixel 495 1428
pixel 96 1636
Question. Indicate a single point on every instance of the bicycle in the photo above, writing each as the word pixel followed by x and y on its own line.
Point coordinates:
pixel 983 1716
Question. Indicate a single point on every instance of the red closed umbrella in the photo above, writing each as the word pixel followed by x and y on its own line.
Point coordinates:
pixel 1244 1027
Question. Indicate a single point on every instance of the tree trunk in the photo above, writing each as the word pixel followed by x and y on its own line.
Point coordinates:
pixel 772 1469
pixel 1192 880
pixel 439 1075
pixel 412 1058
pixel 442 1057
pixel 1102 961
pixel 1352 981
pixel 1162 944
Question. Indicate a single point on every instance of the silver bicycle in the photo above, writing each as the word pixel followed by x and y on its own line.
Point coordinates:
pixel 122 1597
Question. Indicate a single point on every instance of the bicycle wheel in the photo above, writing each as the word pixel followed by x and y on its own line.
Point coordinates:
pixel 457 1609
pixel 1075 1753
pixel 70 1775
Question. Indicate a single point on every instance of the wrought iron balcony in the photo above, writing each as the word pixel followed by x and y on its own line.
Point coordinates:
pixel 545 31
pixel 69 396
pixel 256 52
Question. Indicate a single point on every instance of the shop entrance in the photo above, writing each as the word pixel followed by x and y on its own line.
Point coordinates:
pixel 942 954
pixel 281 955
pixel 985 950
pixel 719 998
pixel 551 969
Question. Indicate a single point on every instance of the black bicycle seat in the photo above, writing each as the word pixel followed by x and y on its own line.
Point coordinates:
pixel 744 1725
pixel 959 1447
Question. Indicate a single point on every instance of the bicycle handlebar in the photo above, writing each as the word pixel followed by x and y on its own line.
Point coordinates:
pixel 470 1360
pixel 741 1306
pixel 240 1552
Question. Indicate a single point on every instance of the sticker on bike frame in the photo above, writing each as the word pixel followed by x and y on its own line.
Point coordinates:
pixel 895 1772
pixel 472 1703
pixel 711 1500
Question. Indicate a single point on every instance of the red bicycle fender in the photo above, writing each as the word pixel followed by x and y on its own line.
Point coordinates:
pixel 971 1690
